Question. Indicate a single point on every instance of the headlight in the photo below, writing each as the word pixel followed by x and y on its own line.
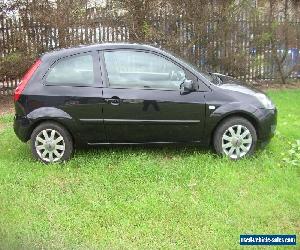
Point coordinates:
pixel 265 101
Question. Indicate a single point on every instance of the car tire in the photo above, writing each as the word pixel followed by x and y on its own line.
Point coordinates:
pixel 235 138
pixel 51 143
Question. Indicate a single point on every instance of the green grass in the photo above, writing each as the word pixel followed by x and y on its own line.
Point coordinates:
pixel 145 197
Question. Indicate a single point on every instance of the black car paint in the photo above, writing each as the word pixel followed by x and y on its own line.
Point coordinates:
pixel 98 114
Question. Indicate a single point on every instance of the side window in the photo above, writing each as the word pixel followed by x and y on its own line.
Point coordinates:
pixel 135 69
pixel 72 70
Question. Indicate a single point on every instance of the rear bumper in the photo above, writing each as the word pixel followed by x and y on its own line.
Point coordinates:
pixel 22 128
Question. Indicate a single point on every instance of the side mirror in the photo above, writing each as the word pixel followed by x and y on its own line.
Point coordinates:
pixel 186 87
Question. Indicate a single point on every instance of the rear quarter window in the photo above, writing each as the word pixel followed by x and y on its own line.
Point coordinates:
pixel 73 70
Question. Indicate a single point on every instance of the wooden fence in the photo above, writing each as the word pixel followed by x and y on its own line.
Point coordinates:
pixel 234 51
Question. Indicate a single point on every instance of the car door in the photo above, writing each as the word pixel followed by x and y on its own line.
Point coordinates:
pixel 143 101
pixel 73 84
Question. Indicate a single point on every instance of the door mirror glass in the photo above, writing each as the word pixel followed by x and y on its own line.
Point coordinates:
pixel 187 86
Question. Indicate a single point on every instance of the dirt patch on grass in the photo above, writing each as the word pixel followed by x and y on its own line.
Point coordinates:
pixel 6 105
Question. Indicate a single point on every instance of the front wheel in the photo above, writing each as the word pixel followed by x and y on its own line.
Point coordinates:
pixel 50 142
pixel 235 137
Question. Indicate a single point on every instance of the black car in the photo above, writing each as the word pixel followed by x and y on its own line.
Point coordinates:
pixel 135 94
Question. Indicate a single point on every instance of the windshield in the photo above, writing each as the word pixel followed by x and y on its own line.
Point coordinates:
pixel 205 74
pixel 213 78
pixel 209 76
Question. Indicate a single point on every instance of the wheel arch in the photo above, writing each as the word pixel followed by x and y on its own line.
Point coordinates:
pixel 53 120
pixel 242 114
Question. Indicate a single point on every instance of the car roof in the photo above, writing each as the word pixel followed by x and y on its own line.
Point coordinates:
pixel 94 47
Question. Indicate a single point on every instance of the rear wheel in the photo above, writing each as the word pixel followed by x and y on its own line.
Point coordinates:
pixel 50 142
pixel 235 137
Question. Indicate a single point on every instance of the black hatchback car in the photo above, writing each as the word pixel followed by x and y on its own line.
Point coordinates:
pixel 135 94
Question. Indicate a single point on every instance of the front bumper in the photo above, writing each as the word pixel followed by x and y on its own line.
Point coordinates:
pixel 267 122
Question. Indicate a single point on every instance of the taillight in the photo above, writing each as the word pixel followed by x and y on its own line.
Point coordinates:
pixel 26 79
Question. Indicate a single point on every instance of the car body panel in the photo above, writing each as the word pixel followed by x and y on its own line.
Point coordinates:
pixel 154 116
pixel 93 116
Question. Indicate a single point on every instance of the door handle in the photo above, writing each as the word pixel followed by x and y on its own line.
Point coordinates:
pixel 113 101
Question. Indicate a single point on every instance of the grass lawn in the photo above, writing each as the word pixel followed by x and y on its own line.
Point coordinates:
pixel 141 197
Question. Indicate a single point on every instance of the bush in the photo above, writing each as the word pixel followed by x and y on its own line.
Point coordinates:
pixel 14 65
pixel 293 155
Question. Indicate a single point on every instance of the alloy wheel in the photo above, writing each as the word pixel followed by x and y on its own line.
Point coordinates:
pixel 50 145
pixel 236 141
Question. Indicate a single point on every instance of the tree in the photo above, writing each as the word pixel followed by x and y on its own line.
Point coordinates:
pixel 280 36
